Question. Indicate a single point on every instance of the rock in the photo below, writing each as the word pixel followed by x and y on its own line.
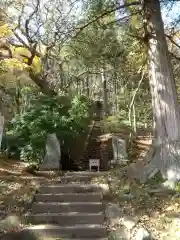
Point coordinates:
pixel 170 184
pixel 126 196
pixel 32 168
pixel 121 233
pixel 176 222
pixel 113 184
pixel 174 229
pixel 21 235
pixel 113 214
pixel 154 172
pixel 53 154
pixel 105 188
pixel 177 195
pixel 161 191
pixel 129 222
pixel 10 222
pixel 143 234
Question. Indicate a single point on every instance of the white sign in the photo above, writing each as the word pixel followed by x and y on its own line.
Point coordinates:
pixel 94 163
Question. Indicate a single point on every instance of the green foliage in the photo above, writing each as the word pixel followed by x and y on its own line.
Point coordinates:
pixel 156 180
pixel 96 46
pixel 27 131
pixel 114 124
pixel 177 187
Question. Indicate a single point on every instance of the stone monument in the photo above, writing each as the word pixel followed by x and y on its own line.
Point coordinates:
pixel 119 150
pixel 53 154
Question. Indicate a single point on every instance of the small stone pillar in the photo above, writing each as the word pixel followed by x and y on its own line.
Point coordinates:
pixel 119 149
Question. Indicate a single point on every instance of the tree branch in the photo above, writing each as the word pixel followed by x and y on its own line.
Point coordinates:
pixel 120 19
pixel 42 83
pixel 30 48
pixel 174 56
pixel 172 41
pixel 107 13
pixel 29 19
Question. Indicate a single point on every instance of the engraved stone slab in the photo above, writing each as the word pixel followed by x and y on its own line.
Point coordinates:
pixel 119 149
pixel 53 154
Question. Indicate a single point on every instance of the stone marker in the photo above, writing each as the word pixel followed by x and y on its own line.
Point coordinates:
pixel 53 154
pixel 119 149
pixel 119 233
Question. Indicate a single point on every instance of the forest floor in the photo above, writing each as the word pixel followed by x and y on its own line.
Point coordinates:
pixel 146 205
pixel 17 187
pixel 157 212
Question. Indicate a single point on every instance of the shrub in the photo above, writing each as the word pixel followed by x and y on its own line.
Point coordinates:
pixel 113 124
pixel 43 115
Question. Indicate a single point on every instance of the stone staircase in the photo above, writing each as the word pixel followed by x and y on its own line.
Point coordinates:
pixel 69 208
pixel 93 147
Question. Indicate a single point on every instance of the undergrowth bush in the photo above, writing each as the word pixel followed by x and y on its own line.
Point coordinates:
pixel 27 132
pixel 113 124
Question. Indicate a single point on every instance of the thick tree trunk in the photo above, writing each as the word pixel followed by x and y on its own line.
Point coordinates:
pixel 164 96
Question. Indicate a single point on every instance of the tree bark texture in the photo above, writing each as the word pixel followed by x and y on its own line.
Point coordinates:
pixel 163 90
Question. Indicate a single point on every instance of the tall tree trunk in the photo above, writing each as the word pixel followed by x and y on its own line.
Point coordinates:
pixel 18 96
pixel 164 95
pixel 62 76
pixel 105 92
pixel 87 85
pixel 134 119
pixel 1 128
pixel 131 105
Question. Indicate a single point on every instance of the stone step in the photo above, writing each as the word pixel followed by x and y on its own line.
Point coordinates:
pixel 80 239
pixel 86 173
pixel 69 188
pixel 77 231
pixel 80 178
pixel 25 236
pixel 66 219
pixel 65 180
pixel 50 238
pixel 57 207
pixel 71 197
